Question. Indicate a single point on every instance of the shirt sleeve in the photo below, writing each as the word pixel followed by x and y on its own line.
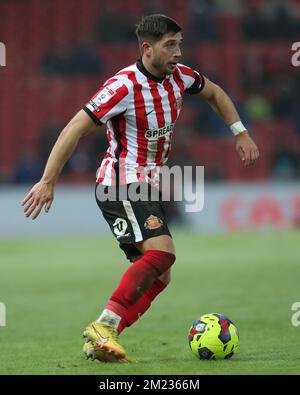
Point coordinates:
pixel 108 102
pixel 193 80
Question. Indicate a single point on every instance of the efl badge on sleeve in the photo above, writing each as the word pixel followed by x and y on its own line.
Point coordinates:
pixel 108 92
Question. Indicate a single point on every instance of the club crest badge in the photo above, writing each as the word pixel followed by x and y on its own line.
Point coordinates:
pixel 153 223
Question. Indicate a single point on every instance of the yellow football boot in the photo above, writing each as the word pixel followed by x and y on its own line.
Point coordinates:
pixel 94 352
pixel 104 341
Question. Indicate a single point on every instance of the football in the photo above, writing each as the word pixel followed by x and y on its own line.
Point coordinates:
pixel 213 336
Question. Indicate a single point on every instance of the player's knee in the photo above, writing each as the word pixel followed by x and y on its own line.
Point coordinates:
pixel 158 261
pixel 161 243
pixel 168 259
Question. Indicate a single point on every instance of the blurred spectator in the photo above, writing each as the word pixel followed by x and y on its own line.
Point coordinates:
pixel 285 163
pixel 230 7
pixel 207 122
pixel 253 74
pixel 96 148
pixel 281 19
pixel 112 26
pixel 56 61
pixel 48 137
pixel 284 98
pixel 28 168
pixel 254 26
pixel 79 163
pixel 270 20
pixel 257 107
pixel 276 61
pixel 84 59
pixel 203 20
pixel 81 59
pixel 201 116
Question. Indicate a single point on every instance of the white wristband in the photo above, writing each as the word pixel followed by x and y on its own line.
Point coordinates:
pixel 237 128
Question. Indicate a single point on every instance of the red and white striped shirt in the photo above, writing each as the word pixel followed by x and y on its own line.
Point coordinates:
pixel 140 111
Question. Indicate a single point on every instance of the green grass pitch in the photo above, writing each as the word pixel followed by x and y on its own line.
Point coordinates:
pixel 53 288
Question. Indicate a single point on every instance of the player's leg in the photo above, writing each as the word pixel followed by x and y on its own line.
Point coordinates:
pixel 136 280
pixel 143 224
pixel 136 311
pixel 132 222
pixel 145 301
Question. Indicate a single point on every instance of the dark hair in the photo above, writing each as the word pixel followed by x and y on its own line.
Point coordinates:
pixel 153 27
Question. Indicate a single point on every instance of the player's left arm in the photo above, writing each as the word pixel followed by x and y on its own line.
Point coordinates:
pixel 224 107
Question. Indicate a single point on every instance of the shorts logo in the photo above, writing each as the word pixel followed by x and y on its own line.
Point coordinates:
pixel 120 226
pixel 153 222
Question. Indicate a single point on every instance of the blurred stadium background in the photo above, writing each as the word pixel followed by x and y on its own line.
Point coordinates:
pixel 60 52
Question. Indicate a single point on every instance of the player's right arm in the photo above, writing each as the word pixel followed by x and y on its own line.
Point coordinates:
pixel 42 193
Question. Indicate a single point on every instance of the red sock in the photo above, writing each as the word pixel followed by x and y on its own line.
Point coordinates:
pixel 138 278
pixel 142 305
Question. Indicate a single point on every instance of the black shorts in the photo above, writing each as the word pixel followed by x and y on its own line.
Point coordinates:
pixel 132 221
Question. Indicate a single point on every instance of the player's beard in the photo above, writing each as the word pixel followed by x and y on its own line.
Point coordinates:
pixel 160 66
